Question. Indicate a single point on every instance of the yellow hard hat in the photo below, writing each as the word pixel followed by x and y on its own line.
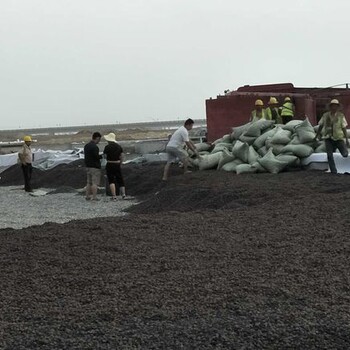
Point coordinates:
pixel 27 139
pixel 273 101
pixel 287 99
pixel 259 103
pixel 334 102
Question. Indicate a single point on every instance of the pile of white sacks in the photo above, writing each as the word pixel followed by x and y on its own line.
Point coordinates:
pixel 259 146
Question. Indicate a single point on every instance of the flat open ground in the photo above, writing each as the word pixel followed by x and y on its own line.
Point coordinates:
pixel 209 260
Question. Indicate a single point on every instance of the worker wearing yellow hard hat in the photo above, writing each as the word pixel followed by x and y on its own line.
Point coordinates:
pixel 272 112
pixel 332 128
pixel 287 110
pixel 25 158
pixel 259 111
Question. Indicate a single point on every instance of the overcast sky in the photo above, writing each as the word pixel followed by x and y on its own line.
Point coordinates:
pixel 72 62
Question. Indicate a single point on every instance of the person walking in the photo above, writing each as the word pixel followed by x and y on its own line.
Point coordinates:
pixel 25 157
pixel 114 155
pixel 288 110
pixel 272 112
pixel 332 128
pixel 259 111
pixel 174 148
pixel 93 166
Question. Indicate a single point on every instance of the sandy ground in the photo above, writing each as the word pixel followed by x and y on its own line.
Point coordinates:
pixel 209 260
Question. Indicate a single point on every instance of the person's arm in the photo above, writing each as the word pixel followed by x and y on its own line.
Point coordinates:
pixel 191 146
pixel 320 128
pixel 21 156
pixel 344 125
pixel 346 137
pixel 122 158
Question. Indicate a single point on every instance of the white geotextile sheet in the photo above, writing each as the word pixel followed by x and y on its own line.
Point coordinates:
pixel 43 159
pixel 316 159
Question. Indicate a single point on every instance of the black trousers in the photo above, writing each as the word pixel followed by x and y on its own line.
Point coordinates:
pixel 27 174
pixel 331 147
pixel 114 174
pixel 286 118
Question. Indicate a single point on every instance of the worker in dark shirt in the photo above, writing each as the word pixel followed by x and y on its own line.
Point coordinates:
pixel 114 155
pixel 93 166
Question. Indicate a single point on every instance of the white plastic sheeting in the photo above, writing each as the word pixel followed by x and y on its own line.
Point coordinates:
pixel 43 159
pixel 319 161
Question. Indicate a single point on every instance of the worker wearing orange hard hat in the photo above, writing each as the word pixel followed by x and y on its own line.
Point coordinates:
pixel 259 111
pixel 287 110
pixel 25 159
pixel 272 112
pixel 332 128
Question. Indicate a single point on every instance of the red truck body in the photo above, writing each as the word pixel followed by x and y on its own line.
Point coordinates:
pixel 234 108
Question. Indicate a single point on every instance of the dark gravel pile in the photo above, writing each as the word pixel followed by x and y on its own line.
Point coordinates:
pixel 140 179
pixel 270 274
pixel 222 190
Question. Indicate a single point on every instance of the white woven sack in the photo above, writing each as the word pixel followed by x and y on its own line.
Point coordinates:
pixel 239 130
pixel 226 157
pixel 248 139
pixel 253 155
pixel 227 145
pixel 245 169
pixel 240 150
pixel 218 149
pixel 260 141
pixel 203 146
pixel 257 127
pixel 287 158
pixel 301 151
pixel 291 125
pixel 210 161
pixel 271 163
pixel 281 137
pixel 259 168
pixel 262 151
pixel 305 132
pixel 321 147
pixel 231 166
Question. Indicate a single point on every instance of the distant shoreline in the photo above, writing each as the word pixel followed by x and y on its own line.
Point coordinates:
pixel 153 125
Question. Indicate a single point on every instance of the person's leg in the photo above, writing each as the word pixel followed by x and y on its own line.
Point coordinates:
pixel 342 148
pixel 96 177
pixel 88 184
pixel 26 178
pixel 166 171
pixel 111 179
pixel 330 149
pixel 185 163
pixel 30 171
pixel 93 189
pixel 120 181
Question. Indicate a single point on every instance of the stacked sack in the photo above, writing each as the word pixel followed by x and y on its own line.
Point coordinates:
pixel 260 146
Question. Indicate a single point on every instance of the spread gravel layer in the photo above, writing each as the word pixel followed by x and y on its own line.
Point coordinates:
pixel 19 209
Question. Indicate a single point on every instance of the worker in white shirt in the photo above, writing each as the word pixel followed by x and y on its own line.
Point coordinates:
pixel 175 147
